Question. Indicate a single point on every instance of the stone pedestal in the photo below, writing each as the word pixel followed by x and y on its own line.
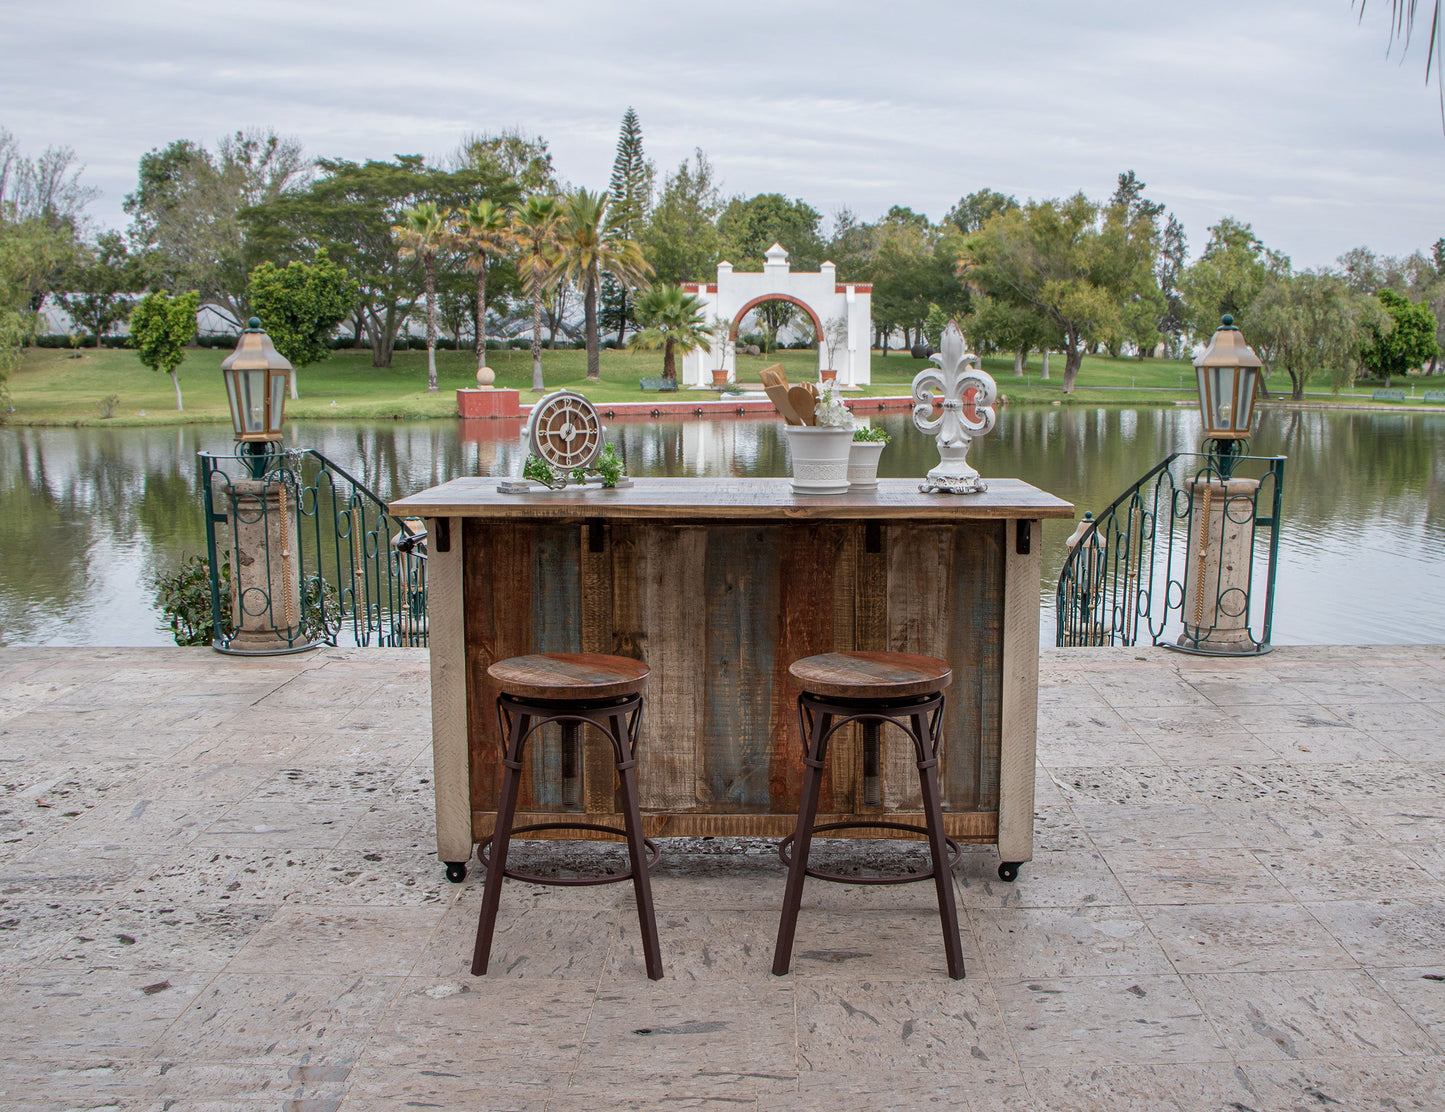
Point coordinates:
pixel 1217 576
pixel 265 569
pixel 479 403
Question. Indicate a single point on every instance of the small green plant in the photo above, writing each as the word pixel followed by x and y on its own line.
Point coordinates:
pixel 609 466
pixel 729 388
pixel 184 599
pixel 540 471
pixel 106 407
pixel 872 434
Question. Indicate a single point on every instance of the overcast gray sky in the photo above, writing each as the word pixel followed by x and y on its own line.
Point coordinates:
pixel 1284 113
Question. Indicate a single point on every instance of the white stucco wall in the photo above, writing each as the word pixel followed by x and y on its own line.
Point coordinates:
pixel 820 290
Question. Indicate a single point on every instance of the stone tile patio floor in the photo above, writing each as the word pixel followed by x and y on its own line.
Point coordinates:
pixel 218 892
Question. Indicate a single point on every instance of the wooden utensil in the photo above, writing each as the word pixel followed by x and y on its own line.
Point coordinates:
pixel 803 403
pixel 782 403
pixel 773 376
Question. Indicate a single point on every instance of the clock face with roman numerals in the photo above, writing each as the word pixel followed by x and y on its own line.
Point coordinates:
pixel 565 431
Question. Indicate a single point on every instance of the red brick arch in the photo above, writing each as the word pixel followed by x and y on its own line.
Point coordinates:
pixel 755 302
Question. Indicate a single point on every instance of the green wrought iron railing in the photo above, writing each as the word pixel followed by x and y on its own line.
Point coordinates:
pixel 1172 560
pixel 306 554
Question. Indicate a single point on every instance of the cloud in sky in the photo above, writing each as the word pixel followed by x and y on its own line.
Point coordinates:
pixel 1286 114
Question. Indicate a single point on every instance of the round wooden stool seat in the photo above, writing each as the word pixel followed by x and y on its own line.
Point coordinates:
pixel 562 676
pixel 871 675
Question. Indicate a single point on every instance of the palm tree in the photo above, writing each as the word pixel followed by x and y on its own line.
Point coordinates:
pixel 674 322
pixel 587 253
pixel 421 233
pixel 1402 30
pixel 483 231
pixel 535 231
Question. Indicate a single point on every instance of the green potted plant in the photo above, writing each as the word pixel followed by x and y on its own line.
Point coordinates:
pixel 863 453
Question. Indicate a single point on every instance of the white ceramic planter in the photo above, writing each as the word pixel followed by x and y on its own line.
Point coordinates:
pixel 863 464
pixel 820 458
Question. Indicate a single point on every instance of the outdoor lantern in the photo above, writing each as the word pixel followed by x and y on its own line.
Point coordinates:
pixel 257 376
pixel 1228 377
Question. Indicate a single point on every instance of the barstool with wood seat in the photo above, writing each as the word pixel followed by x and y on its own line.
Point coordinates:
pixel 574 689
pixel 872 688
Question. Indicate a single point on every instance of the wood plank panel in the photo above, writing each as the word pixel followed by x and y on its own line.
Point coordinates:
pixel 920 560
pixel 815 564
pixel 739 618
pixel 522 596
pixel 599 775
pixel 451 757
pixel 969 765
pixel 657 574
pixel 721 499
pixel 1020 696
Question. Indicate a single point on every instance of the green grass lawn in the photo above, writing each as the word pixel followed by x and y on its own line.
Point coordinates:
pixel 51 387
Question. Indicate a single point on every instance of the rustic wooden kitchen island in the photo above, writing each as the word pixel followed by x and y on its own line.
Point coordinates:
pixel 719 585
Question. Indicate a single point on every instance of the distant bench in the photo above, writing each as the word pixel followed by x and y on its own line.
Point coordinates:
pixel 659 384
pixel 1396 395
pixel 1433 396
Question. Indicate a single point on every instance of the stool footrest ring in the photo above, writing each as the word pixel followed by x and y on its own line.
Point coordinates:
pixel 784 847
pixel 571 882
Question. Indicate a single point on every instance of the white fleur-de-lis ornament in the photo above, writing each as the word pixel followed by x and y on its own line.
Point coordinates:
pixel 968 395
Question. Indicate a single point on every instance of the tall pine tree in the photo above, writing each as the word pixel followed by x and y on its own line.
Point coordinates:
pixel 629 201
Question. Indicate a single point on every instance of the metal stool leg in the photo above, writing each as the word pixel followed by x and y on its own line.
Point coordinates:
pixel 803 838
pixel 501 839
pixel 925 740
pixel 622 740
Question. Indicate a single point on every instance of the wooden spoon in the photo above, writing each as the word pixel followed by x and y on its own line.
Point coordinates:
pixel 803 403
pixel 782 403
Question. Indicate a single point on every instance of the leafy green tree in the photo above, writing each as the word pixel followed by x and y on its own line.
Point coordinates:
pixel 747 228
pixel 852 246
pixel 101 280
pixel 680 241
pixel 187 210
pixel 482 232
pixel 629 197
pixel 300 306
pixel 1229 275
pixel 1072 262
pixel 1404 339
pixel 1309 323
pixel 586 252
pixel 674 321
pixel 421 234
pixel 31 250
pixel 524 161
pixel 350 210
pixel 46 188
pixel 160 328
pixel 913 269
pixel 974 210
pixel 536 228
pixel 1003 325
pixel 1169 271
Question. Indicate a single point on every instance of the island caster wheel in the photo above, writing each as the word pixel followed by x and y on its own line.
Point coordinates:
pixel 456 871
pixel 1009 871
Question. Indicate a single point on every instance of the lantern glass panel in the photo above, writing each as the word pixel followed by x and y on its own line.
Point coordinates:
pixel 233 398
pixel 278 401
pixel 254 394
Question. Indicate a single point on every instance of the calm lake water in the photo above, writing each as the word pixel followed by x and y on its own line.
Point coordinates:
pixel 89 517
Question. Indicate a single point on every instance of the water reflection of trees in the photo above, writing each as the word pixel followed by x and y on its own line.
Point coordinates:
pixel 67 495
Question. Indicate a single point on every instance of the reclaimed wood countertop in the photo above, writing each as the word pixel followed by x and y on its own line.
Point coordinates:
pixel 705 499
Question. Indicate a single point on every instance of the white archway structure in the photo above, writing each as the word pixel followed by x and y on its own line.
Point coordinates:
pixel 818 293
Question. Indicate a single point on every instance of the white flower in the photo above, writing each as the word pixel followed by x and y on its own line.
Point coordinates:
pixel 830 410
